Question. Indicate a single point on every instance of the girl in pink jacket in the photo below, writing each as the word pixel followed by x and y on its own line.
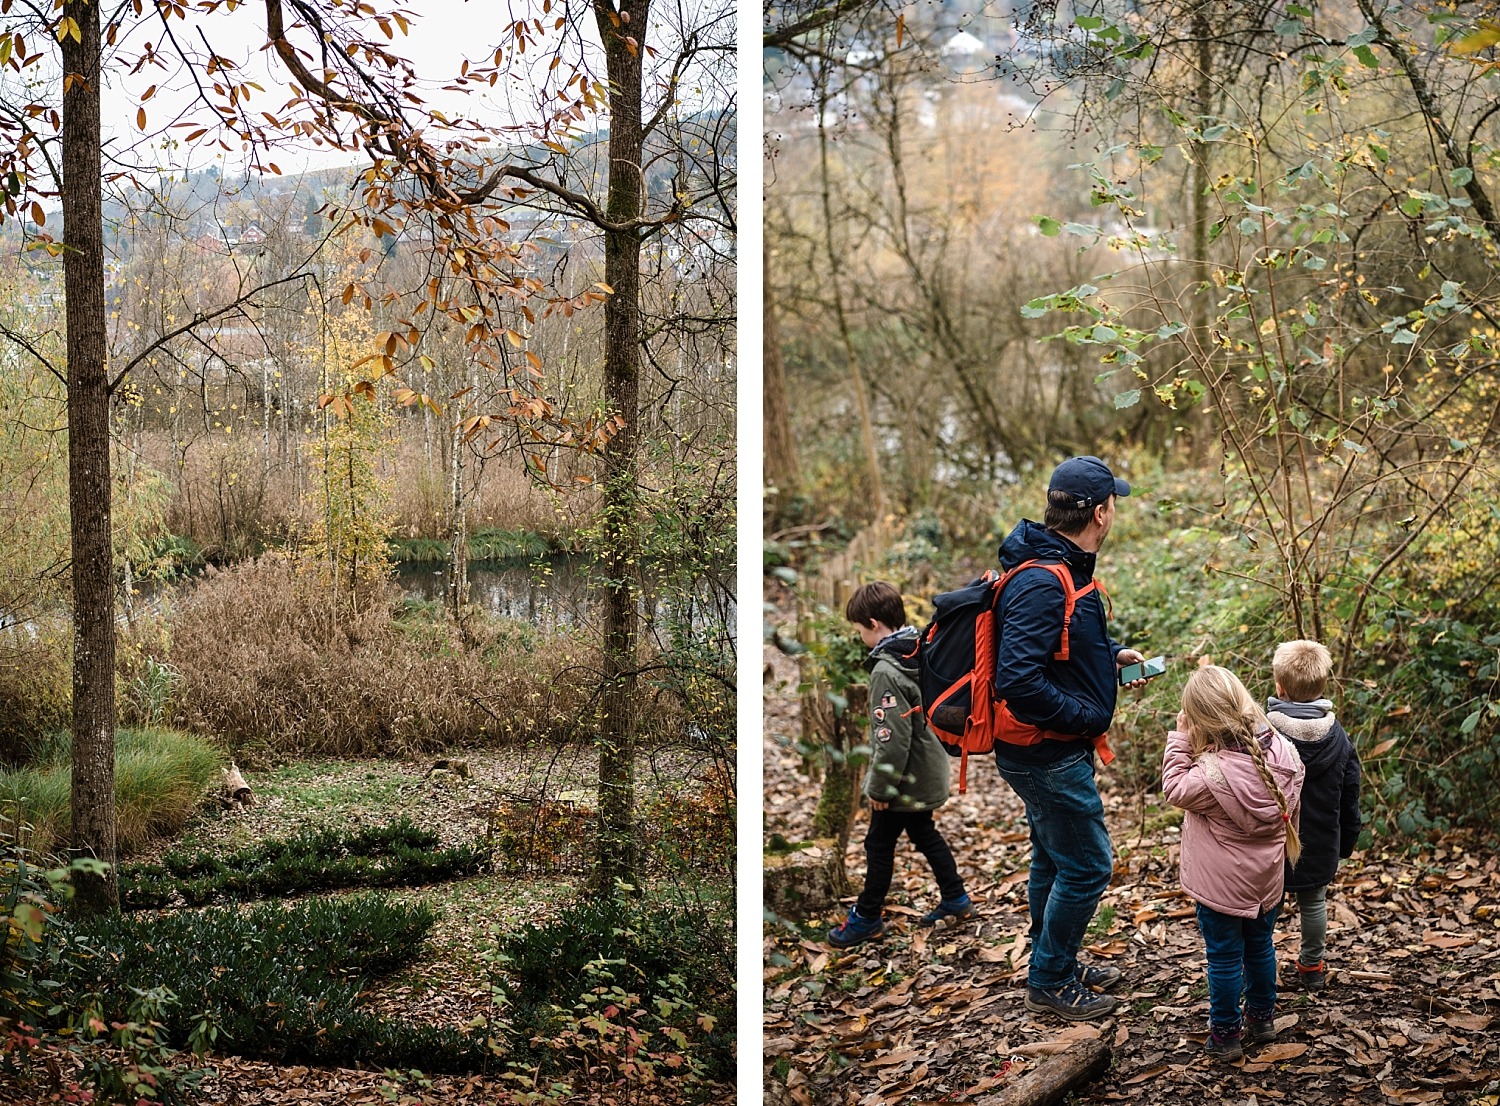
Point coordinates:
pixel 1240 783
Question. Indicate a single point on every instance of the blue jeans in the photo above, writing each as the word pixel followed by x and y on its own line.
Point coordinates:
pixel 1241 956
pixel 1071 859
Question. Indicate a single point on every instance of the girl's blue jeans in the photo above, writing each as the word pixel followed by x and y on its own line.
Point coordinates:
pixel 1241 958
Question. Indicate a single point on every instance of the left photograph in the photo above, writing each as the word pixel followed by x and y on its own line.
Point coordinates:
pixel 367 552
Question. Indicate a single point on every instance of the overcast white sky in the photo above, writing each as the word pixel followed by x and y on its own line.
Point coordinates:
pixel 442 34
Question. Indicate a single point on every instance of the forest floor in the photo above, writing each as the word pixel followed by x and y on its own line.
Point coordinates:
pixel 450 983
pixel 937 1016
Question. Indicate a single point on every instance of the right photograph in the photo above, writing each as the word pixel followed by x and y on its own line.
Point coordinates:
pixel 1132 565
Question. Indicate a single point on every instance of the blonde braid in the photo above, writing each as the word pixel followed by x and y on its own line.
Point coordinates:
pixel 1221 715
pixel 1293 840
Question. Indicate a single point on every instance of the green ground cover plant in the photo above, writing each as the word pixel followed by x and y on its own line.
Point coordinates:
pixel 160 777
pixel 399 854
pixel 576 986
pixel 51 1043
pixel 280 982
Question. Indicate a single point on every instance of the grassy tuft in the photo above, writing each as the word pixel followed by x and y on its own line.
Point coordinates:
pixel 160 777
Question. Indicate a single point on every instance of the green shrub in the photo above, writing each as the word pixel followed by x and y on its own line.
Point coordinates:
pixel 35 938
pixel 396 855
pixel 160 777
pixel 50 1033
pixel 36 683
pixel 281 982
pixel 653 955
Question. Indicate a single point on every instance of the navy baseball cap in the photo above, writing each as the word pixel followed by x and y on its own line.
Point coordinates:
pixel 1088 480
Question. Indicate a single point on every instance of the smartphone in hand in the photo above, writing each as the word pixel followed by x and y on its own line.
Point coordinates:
pixel 1146 670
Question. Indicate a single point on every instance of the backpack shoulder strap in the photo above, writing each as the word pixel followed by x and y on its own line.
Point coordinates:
pixel 1071 595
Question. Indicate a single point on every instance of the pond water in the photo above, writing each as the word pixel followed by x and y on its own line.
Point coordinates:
pixel 560 592
pixel 551 593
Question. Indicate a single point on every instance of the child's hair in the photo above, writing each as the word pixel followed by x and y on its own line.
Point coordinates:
pixel 1221 715
pixel 877 602
pixel 1301 669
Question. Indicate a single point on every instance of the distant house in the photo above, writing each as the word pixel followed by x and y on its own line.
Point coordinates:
pixel 210 243
pixel 963 45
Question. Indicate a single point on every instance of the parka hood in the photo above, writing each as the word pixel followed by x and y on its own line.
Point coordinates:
pixel 1242 793
pixel 900 648
pixel 1307 726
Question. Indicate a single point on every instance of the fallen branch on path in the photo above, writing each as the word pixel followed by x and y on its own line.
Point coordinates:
pixel 1080 1062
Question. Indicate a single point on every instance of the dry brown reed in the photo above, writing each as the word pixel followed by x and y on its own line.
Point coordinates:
pixel 233 501
pixel 268 659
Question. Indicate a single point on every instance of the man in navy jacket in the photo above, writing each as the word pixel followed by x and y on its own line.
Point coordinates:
pixel 1071 702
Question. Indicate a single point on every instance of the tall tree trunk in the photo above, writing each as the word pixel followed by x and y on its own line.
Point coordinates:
pixel 621 32
pixel 781 469
pixel 1204 442
pixel 835 262
pixel 89 485
pixel 458 528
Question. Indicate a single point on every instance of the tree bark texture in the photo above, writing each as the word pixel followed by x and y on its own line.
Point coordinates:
pixel 839 802
pixel 89 485
pixel 781 468
pixel 621 32
pixel 807 882
pixel 835 265
pixel 1204 440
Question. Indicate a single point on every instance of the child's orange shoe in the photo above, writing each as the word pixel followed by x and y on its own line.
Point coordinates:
pixel 1313 978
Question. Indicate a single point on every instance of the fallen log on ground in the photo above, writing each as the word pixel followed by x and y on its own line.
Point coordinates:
pixel 236 789
pixel 1079 1063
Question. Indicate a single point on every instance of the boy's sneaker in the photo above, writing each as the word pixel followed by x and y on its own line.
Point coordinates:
pixel 1258 1031
pixel 1224 1046
pixel 856 930
pixel 1098 978
pixel 1071 1001
pixel 956 908
pixel 1314 978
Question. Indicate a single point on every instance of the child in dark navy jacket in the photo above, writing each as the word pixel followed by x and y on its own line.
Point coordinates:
pixel 1330 794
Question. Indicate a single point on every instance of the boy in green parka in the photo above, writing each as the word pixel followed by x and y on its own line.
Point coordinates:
pixel 908 776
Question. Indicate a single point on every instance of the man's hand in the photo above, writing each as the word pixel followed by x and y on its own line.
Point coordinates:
pixel 1130 656
pixel 879 806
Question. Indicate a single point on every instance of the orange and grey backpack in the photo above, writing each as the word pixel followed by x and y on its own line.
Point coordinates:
pixel 957 661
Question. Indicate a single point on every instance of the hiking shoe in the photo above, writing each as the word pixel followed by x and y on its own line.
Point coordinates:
pixel 1314 978
pixel 957 908
pixel 1070 1001
pixel 1224 1046
pixel 1098 978
pixel 856 930
pixel 1258 1031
